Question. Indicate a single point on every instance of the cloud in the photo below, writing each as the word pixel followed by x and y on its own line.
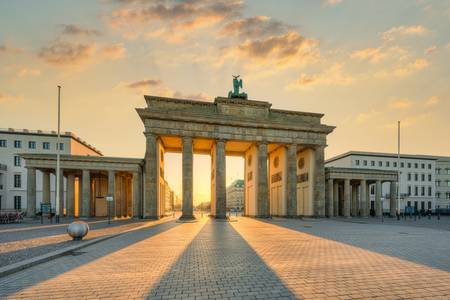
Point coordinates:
pixel 178 15
pixel 256 27
pixel 283 50
pixel 8 99
pixel 332 76
pixel 404 70
pixel 331 2
pixel 29 72
pixel 395 32
pixel 369 116
pixel 62 54
pixel 10 50
pixel 432 101
pixel 146 83
pixel 157 87
pixel 113 52
pixel 70 29
pixel 400 104
pixel 430 50
pixel 373 55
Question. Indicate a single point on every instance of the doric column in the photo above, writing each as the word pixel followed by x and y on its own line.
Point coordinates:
pixel 45 186
pixel 329 209
pixel 61 192
pixel 137 201
pixel 319 182
pixel 292 180
pixel 335 198
pixel 393 199
pixel 70 210
pixel 220 178
pixel 31 192
pixel 111 192
pixel 347 196
pixel 363 197
pixel 188 157
pixel 86 194
pixel 354 208
pixel 262 191
pixel 151 178
pixel 378 208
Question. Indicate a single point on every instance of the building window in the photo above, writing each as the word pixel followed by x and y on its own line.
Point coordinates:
pixel 17 144
pixel 16 161
pixel 423 166
pixel 438 182
pixel 409 176
pixel 365 162
pixel 429 204
pixel 388 164
pixel 438 195
pixel 448 195
pixel 18 202
pixel 372 190
pixel 380 163
pixel 416 177
pixel 402 164
pixel 429 191
pixel 438 171
pixel 395 164
pixel 357 162
pixel 448 171
pixel 429 177
pixel 61 147
pixel 422 191
pixel 409 165
pixel 372 163
pixel 423 177
pixel 416 191
pixel 416 165
pixel 409 190
pixel 17 180
pixel 429 166
pixel 409 204
pixel 3 143
pixel 31 145
pixel 46 145
pixel 448 183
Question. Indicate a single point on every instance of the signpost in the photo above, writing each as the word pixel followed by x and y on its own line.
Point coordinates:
pixel 109 199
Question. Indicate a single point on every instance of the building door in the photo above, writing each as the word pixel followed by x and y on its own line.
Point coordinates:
pixel 302 194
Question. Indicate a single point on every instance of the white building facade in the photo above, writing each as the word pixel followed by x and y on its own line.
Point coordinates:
pixel 424 179
pixel 13 173
pixel 235 195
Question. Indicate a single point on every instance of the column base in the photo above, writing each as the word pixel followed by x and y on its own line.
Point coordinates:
pixel 187 219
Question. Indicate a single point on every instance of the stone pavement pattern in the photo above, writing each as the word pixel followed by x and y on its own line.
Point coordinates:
pixel 245 259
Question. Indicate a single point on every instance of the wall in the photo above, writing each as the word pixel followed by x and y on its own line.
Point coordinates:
pixel 305 177
pixel 250 181
pixel 278 181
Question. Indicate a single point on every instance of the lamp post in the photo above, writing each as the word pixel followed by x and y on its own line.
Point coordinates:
pixel 398 171
pixel 58 159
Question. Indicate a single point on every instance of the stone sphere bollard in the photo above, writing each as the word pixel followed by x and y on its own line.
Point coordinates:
pixel 78 230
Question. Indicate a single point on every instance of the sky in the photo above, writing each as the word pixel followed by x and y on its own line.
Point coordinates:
pixel 364 64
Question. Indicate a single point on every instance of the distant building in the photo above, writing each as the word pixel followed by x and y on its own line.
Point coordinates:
pixel 13 174
pixel 424 179
pixel 235 195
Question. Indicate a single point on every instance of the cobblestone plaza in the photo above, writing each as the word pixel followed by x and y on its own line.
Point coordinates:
pixel 251 259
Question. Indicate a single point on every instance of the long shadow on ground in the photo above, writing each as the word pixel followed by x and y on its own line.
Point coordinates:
pixel 16 282
pixel 219 263
pixel 424 246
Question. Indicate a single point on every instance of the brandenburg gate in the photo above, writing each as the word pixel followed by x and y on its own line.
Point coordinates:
pixel 283 152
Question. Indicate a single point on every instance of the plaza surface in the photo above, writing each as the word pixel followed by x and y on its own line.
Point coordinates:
pixel 250 259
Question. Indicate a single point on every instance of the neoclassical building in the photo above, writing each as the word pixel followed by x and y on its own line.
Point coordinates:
pixel 283 152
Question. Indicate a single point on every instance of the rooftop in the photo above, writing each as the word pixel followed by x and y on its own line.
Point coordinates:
pixel 384 154
pixel 49 133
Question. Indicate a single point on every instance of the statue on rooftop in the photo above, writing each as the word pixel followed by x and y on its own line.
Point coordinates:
pixel 237 83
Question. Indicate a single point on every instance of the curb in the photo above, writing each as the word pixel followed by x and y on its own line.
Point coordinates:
pixel 21 265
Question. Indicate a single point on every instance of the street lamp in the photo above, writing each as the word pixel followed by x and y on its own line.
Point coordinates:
pixel 398 172
pixel 58 158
